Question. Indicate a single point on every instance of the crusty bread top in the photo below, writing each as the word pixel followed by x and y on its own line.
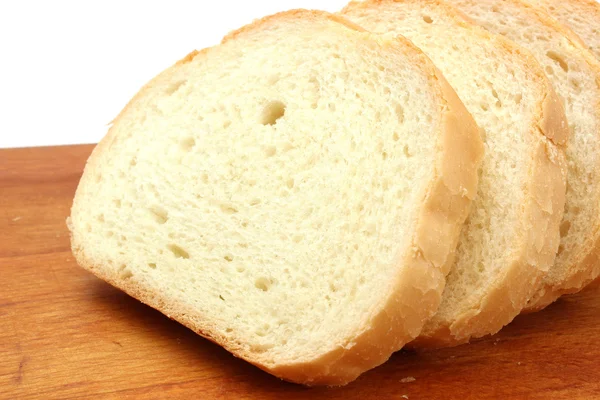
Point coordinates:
pixel 512 234
pixel 575 75
pixel 293 194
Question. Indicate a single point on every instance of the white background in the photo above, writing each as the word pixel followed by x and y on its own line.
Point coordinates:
pixel 68 67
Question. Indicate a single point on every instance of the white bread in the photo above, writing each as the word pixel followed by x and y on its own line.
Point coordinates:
pixel 512 233
pixel 293 194
pixel 575 75
pixel 581 16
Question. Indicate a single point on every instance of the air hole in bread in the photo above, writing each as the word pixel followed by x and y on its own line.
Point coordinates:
pixel 370 229
pixel 518 98
pixel 559 59
pixel 332 287
pixel 270 151
pixel 173 87
pixel 124 272
pixel 287 146
pixel 187 143
pixel 262 331
pixel 576 85
pixel 228 209
pixel 204 177
pixel 480 267
pixel 427 19
pixel 385 184
pixel 159 214
pixel 272 112
pixel 495 94
pixel 133 162
pixel 152 265
pixel 399 113
pixel 263 284
pixel 177 251
pixel 406 151
pixel 228 258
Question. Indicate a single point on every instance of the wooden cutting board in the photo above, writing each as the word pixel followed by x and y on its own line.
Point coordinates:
pixel 66 334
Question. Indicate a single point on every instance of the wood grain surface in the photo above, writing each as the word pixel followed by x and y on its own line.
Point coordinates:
pixel 66 334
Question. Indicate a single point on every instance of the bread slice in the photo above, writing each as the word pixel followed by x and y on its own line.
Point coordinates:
pixel 512 233
pixel 293 194
pixel 581 16
pixel 576 77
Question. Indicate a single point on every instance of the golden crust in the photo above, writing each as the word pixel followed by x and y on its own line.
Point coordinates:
pixel 418 286
pixel 547 185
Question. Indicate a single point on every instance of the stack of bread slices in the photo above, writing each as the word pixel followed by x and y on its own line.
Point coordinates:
pixel 318 191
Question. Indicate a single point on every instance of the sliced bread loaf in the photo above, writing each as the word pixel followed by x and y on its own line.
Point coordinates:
pixel 581 16
pixel 575 75
pixel 293 194
pixel 512 233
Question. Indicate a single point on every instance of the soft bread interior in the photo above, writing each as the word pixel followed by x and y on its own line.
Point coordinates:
pixel 269 186
pixel 582 16
pixel 503 91
pixel 576 78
